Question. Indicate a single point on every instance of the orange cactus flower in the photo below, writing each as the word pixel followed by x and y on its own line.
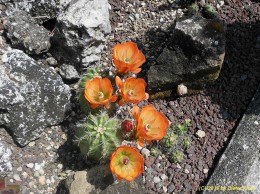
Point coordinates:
pixel 99 92
pixel 151 124
pixel 132 90
pixel 128 58
pixel 127 163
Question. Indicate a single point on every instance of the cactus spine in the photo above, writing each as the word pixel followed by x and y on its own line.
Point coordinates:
pixel 99 136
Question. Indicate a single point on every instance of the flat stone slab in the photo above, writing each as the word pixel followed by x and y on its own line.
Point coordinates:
pixel 238 170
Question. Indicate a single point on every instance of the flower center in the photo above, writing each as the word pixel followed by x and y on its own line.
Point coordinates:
pixel 126 161
pixel 131 92
pixel 127 60
pixel 101 95
pixel 147 128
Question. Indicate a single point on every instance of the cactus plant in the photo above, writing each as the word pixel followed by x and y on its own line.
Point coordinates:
pixel 155 151
pixel 210 11
pixel 186 143
pixel 99 136
pixel 177 157
pixel 193 9
pixel 182 129
pixel 169 140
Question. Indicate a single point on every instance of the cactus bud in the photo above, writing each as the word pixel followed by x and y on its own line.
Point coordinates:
pixel 127 126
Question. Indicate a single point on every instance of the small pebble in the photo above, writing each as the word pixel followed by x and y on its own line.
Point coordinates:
pixel 25 175
pixel 37 166
pixel 48 181
pixel 36 174
pixel 256 123
pixel 19 168
pixel 11 180
pixel 156 179
pixel 145 152
pixel 30 165
pixel 164 177
pixel 200 134
pixel 186 171
pixel 31 184
pixel 205 171
pixel 60 166
pixel 178 166
pixel 17 177
pixel 31 144
pixel 42 180
pixel 164 189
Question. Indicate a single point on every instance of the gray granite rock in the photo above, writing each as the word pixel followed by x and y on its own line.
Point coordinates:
pixel 195 57
pixel 81 32
pixel 32 96
pixel 5 163
pixel 68 72
pixel 238 170
pixel 43 9
pixel 26 34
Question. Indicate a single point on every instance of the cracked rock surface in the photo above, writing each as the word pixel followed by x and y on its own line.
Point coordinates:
pixel 5 164
pixel 26 34
pixel 32 96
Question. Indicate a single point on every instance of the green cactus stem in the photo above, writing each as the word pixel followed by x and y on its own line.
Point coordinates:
pixel 99 136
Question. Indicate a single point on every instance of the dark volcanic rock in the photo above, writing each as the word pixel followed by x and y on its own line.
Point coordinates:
pixel 5 164
pixel 32 96
pixel 26 34
pixel 195 57
pixel 124 187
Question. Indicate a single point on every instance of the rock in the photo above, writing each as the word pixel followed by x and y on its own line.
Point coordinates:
pixel 96 179
pixel 17 177
pixel 69 72
pixel 32 96
pixel 205 171
pixel 125 187
pixel 238 167
pixel 26 34
pixel 51 61
pixel 200 134
pixel 194 58
pixel 42 180
pixel 30 165
pixel 81 32
pixel 182 90
pixel 77 183
pixel 43 10
pixel 145 152
pixel 156 179
pixel 5 163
